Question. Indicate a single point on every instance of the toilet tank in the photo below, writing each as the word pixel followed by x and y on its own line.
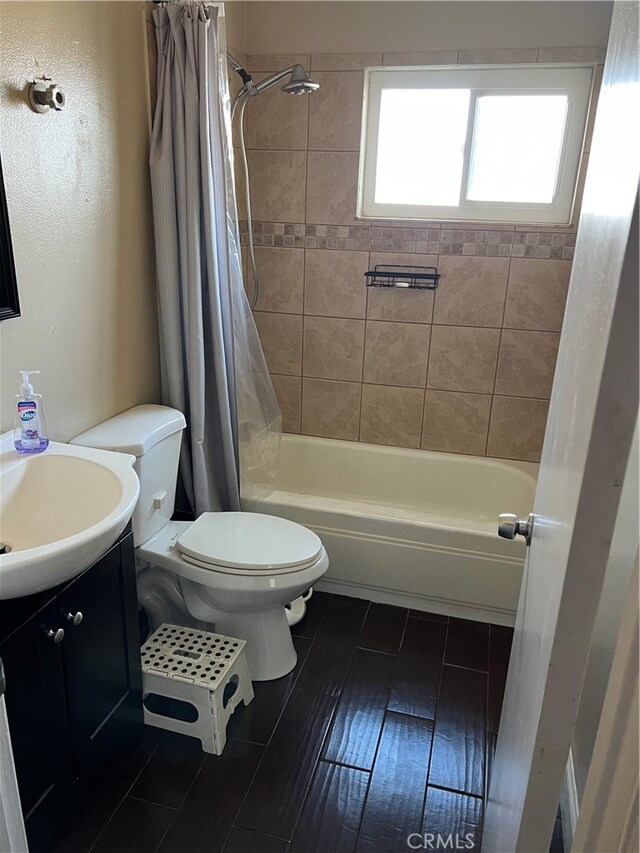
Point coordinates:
pixel 153 435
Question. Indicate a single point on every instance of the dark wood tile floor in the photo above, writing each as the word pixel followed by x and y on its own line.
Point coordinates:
pixel 385 728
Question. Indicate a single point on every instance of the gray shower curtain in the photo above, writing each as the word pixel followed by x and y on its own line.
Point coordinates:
pixel 212 366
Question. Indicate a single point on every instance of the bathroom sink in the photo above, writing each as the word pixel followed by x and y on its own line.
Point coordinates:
pixel 59 511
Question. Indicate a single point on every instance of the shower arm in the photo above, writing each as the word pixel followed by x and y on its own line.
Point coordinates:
pixel 233 62
pixel 252 88
pixel 271 81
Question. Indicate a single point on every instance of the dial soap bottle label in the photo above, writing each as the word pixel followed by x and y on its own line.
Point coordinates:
pixel 27 410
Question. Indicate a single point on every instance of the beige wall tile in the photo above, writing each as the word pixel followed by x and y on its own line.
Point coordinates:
pixel 344 61
pixel 395 303
pixel 281 338
pixel 426 57
pixel 517 428
pixel 335 111
pixel 277 185
pixel 391 415
pixel 572 54
pixel 526 363
pixel 463 359
pixel 471 291
pixel 332 181
pixel 537 294
pixel 333 348
pixel 276 120
pixel 334 283
pixel 456 422
pixel 289 393
pixel 280 272
pixel 331 409
pixel 270 63
pixel 396 353
pixel 504 55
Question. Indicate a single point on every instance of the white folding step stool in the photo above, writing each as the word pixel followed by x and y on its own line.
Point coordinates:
pixel 196 667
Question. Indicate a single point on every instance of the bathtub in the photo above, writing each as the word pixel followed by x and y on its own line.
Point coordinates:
pixel 408 527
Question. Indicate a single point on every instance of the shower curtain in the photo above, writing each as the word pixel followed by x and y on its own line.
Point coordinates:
pixel 212 365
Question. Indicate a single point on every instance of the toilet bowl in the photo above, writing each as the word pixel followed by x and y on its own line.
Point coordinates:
pixel 235 571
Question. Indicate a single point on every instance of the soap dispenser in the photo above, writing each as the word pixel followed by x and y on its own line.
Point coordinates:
pixel 30 435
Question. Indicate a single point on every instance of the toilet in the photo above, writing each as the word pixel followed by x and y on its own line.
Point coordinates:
pixel 232 572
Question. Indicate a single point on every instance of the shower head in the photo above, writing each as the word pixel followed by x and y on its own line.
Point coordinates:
pixel 300 83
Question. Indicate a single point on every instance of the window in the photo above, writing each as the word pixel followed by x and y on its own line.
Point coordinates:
pixel 499 144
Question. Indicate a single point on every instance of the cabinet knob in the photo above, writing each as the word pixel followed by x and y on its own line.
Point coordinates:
pixel 74 618
pixel 57 636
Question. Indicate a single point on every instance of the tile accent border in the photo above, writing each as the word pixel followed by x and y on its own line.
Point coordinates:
pixel 500 242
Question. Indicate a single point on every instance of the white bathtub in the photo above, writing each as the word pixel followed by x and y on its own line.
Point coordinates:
pixel 408 527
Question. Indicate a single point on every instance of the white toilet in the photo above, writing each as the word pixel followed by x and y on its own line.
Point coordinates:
pixel 235 570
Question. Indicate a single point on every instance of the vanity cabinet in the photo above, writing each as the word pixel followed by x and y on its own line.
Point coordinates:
pixel 36 710
pixel 71 657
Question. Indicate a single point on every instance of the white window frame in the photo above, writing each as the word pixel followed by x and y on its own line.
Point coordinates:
pixel 573 80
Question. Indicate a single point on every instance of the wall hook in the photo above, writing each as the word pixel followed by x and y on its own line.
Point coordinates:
pixel 44 95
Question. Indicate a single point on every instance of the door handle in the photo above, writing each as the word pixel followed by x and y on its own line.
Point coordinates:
pixel 510 526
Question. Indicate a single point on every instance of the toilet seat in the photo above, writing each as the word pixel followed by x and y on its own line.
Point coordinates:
pixel 248 543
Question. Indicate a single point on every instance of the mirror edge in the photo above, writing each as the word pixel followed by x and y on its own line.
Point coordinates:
pixel 9 300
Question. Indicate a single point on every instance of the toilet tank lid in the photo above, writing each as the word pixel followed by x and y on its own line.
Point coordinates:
pixel 135 431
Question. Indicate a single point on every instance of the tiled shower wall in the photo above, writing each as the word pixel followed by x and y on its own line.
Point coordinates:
pixel 466 370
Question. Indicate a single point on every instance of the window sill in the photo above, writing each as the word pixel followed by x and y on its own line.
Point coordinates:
pixel 464 224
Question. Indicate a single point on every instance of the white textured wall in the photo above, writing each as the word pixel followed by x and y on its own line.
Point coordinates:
pixel 394 25
pixel 79 203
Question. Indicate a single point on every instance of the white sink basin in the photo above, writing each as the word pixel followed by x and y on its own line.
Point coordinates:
pixel 59 511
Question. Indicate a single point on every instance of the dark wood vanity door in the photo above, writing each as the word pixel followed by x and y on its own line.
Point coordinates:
pixel 95 655
pixel 73 687
pixel 37 711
